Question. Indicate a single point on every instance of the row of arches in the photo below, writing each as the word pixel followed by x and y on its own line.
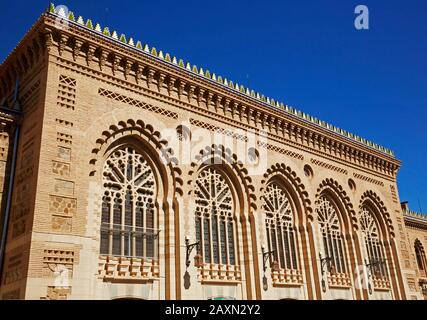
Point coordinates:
pixel 136 181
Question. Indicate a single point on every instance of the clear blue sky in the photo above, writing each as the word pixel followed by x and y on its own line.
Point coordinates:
pixel 304 53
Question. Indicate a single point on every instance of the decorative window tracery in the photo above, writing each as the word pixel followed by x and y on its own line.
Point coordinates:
pixel 280 227
pixel 373 244
pixel 214 218
pixel 332 236
pixel 128 219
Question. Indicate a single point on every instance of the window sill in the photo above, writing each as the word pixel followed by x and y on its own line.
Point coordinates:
pixel 219 273
pixel 339 286
pixel 110 267
pixel 381 289
pixel 128 279
pixel 287 277
pixel 286 284
pixel 339 280
pixel 381 284
pixel 221 282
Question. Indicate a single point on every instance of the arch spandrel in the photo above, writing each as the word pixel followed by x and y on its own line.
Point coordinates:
pixel 224 160
pixel 294 187
pixel 142 135
pixel 371 199
pixel 338 195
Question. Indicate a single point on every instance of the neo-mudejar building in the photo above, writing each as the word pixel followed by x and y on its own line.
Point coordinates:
pixel 126 172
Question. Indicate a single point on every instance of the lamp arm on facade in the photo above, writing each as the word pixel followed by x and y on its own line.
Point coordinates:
pixel 189 248
pixel 265 256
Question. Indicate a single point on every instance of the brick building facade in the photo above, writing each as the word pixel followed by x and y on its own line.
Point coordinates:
pixel 125 156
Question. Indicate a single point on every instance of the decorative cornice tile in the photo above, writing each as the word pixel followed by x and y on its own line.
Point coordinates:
pixel 200 72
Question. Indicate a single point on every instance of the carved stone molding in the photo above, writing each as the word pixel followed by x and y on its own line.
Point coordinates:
pixel 218 98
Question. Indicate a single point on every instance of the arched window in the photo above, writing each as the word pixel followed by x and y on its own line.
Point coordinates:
pixel 373 244
pixel 128 219
pixel 280 226
pixel 332 237
pixel 421 257
pixel 214 218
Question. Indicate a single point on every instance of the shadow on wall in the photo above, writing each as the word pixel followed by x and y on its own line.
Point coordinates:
pixel 187 283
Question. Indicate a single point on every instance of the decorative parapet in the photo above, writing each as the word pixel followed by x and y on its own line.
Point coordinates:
pixel 416 219
pixel 415 214
pixel 70 17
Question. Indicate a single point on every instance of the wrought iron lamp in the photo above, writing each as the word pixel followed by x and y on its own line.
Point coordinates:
pixel 190 248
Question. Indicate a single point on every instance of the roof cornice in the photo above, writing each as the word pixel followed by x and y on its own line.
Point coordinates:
pixel 202 78
pixel 193 69
pixel 415 219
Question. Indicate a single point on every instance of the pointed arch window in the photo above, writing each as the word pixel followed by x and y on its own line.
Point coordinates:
pixel 128 217
pixel 332 237
pixel 280 226
pixel 214 218
pixel 373 244
pixel 421 257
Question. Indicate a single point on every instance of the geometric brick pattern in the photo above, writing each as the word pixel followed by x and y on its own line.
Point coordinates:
pixel 66 92
pixel 136 103
pixel 62 206
pixel 281 150
pixel 367 179
pixel 64 123
pixel 62 224
pixel 64 138
pixel 328 166
pixel 393 194
pixel 218 129
pixel 52 258
pixel 61 168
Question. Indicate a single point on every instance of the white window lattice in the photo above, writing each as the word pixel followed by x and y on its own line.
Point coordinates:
pixel 214 218
pixel 128 219
pixel 280 226
pixel 332 237
pixel 374 247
